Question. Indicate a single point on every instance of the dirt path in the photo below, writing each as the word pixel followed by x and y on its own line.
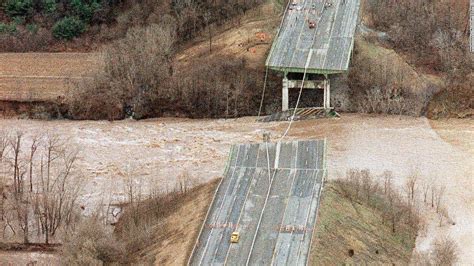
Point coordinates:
pixel 159 151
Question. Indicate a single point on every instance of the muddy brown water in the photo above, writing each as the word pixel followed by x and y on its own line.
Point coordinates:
pixel 159 151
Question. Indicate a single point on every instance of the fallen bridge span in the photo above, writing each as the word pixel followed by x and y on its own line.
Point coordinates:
pixel 269 195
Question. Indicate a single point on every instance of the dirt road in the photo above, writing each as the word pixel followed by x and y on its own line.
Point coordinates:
pixel 159 151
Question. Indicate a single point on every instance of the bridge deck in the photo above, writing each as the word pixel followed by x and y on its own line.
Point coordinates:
pixel 278 231
pixel 330 41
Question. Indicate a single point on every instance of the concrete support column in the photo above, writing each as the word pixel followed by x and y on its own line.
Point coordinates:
pixel 327 94
pixel 284 95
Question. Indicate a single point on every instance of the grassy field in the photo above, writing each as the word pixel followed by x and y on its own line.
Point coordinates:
pixel 351 233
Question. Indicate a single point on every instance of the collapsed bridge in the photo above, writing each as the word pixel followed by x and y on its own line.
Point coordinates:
pixel 270 195
pixel 315 40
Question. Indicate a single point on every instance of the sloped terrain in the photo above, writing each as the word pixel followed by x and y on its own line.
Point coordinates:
pixel 249 38
pixel 395 65
pixel 353 233
pixel 176 233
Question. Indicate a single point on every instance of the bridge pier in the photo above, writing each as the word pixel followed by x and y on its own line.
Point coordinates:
pixel 324 85
pixel 327 94
pixel 284 95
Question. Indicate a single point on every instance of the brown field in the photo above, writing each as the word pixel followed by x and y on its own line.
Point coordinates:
pixel 42 76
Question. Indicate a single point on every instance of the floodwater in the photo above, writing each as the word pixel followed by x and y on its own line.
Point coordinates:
pixel 158 152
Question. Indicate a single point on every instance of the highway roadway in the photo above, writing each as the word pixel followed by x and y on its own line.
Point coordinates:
pixel 274 211
pixel 330 41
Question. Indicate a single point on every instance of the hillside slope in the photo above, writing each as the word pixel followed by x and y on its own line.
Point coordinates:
pixel 341 227
pixel 249 39
pixel 352 233
pixel 176 234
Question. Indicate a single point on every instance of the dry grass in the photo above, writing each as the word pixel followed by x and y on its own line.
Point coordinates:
pixel 173 235
pixel 344 225
pixel 378 55
pixel 381 81
pixel 42 76
pixel 250 39
pixel 160 230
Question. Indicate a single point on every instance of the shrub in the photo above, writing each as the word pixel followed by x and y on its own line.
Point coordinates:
pixel 68 28
pixel 455 100
pixel 379 84
pixel 135 72
pixel 438 44
pixel 49 6
pixel 7 28
pixel 32 28
pixel 91 244
pixel 84 10
pixel 25 41
pixel 19 20
pixel 445 252
pixel 94 99
pixel 396 210
pixel 15 8
pixel 219 87
pixel 411 26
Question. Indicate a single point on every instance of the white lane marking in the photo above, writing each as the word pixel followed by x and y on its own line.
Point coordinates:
pixel 331 33
pixel 260 219
pixel 245 202
pixel 315 174
pixel 220 208
pixel 286 206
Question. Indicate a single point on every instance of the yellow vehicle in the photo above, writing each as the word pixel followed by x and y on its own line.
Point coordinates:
pixel 234 238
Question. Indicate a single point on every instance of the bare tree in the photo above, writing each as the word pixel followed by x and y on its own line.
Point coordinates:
pixel 3 150
pixel 184 182
pixel 411 185
pixel 134 74
pixel 34 146
pixel 15 144
pixel 433 194
pixel 207 20
pixel 439 197
pixel 426 189
pixel 387 181
pixel 445 252
pixel 368 184
pixel 58 188
pixel 3 144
